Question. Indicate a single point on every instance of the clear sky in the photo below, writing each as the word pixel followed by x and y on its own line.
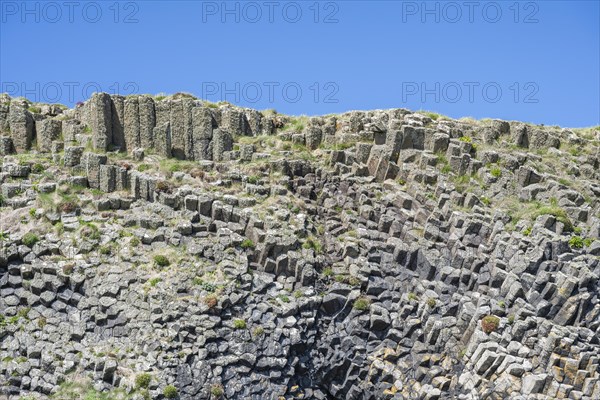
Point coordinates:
pixel 536 61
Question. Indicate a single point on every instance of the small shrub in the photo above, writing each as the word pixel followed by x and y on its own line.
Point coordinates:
pixel 466 139
pixel 431 302
pixel 67 207
pixel 134 241
pixel 30 239
pixel 502 304
pixel 412 296
pixel 143 167
pixel 576 242
pixel 490 323
pixel 486 201
pixel 527 231
pixel 239 324
pixel 216 390
pixel 496 172
pixel 197 173
pixel 587 242
pixel 298 294
pixel 362 304
pixel 511 319
pixel 163 187
pixel 161 260
pixel 327 271
pixel 142 381
pixel 247 244
pixel 170 392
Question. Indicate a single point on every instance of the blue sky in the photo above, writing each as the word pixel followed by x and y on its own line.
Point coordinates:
pixel 531 61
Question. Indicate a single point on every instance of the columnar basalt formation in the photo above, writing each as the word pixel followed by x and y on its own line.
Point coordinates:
pixel 166 247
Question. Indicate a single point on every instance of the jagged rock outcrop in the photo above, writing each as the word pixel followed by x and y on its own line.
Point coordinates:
pixel 155 247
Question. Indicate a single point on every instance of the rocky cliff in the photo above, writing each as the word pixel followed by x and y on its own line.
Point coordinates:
pixel 165 247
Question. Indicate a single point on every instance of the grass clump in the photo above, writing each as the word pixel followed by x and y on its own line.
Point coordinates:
pixel 216 390
pixel 362 304
pixel 142 381
pixel 239 324
pixel 490 323
pixel 496 172
pixel 247 244
pixel 576 242
pixel 312 243
pixel 161 261
pixel 170 392
pixel 30 239
pixel 154 281
pixel 431 302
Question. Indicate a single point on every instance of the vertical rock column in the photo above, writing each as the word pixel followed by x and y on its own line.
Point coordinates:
pixel 234 121
pixel 21 125
pixel 47 131
pixel 162 139
pixel 182 129
pixel 202 133
pixel 222 142
pixel 132 123
pixel 4 109
pixel 188 128
pixel 147 121
pixel 118 122
pixel 254 119
pixel 92 163
pixel 101 120
pixel 178 137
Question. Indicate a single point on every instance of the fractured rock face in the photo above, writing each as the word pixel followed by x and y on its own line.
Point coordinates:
pixel 395 256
